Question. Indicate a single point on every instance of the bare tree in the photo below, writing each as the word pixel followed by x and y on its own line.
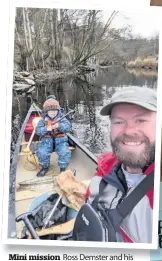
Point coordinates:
pixel 59 38
pixel 87 34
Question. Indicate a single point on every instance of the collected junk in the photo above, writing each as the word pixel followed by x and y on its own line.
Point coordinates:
pixel 54 217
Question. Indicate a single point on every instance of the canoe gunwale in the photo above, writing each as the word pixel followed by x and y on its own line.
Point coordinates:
pixel 13 168
pixel 83 148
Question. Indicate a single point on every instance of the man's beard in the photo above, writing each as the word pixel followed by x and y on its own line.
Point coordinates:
pixel 134 159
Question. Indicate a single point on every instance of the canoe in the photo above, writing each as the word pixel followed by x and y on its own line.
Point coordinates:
pixel 27 185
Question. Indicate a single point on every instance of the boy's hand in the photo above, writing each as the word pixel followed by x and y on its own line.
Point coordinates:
pixel 55 126
pixel 49 128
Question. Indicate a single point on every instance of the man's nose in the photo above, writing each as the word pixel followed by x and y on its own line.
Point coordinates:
pixel 130 128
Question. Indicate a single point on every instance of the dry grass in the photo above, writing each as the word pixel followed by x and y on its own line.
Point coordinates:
pixel 149 62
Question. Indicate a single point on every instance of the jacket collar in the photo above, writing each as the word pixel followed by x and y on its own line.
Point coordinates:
pixel 107 161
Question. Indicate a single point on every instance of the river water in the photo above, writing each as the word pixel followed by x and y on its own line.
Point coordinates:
pixel 87 95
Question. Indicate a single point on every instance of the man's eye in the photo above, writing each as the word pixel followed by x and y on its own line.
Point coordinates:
pixel 141 121
pixel 118 122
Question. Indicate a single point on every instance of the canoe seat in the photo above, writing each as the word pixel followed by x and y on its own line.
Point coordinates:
pixel 32 150
pixel 31 162
pixel 71 148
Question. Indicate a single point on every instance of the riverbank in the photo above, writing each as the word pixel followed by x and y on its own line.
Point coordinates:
pixel 143 72
pixel 148 63
pixel 26 81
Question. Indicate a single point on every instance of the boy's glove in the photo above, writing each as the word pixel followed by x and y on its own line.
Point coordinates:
pixel 49 128
pixel 55 126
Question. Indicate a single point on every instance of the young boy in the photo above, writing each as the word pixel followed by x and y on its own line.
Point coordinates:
pixel 52 135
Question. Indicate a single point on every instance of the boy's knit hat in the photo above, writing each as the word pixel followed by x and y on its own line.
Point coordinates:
pixel 51 104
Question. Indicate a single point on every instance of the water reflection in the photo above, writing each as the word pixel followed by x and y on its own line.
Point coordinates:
pixel 86 94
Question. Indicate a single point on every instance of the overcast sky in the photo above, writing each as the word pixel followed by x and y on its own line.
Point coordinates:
pixel 142 23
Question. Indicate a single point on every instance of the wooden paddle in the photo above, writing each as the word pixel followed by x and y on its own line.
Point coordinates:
pixel 27 194
pixel 61 229
pixel 34 123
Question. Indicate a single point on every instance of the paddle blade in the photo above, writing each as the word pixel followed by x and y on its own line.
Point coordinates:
pixel 35 121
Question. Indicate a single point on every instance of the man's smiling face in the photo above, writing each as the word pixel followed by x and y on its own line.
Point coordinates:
pixel 133 130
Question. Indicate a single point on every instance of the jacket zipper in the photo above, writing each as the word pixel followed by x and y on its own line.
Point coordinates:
pixel 117 192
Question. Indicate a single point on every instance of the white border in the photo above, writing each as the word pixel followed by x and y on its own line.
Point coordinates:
pixel 83 5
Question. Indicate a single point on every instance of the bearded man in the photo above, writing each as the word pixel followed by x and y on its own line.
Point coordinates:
pixel 132 113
